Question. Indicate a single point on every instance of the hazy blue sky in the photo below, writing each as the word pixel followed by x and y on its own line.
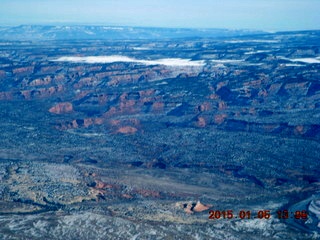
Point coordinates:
pixel 252 14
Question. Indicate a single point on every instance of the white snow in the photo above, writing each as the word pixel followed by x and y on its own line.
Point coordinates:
pixel 89 32
pixel 118 58
pixel 306 60
pixel 254 64
pixel 302 60
pixel 162 83
pixel 258 51
pixel 140 48
pixel 293 65
pixel 226 61
pixel 220 65
pixel 113 28
pixel 253 41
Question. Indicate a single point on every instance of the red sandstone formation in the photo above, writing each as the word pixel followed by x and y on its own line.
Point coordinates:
pixel 188 208
pixel 98 121
pixel 78 69
pixel 221 84
pixel 222 105
pixel 45 92
pixel 201 122
pixel 112 111
pixel 88 122
pixel 78 123
pixel 86 82
pixel 88 89
pixel 50 69
pixel 145 93
pixel 127 130
pixel 114 122
pixel 213 96
pixel 199 207
pixel 102 185
pixel 127 196
pixel 59 78
pixel 206 106
pixel 157 106
pixel 220 118
pixel 301 130
pixel 103 99
pixel 23 70
pixel 60 108
pixel 117 123
pixel 191 208
pixel 40 82
pixel 128 106
pixel 26 94
pixel 125 78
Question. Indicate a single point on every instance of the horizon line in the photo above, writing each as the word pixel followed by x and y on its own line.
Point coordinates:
pixel 56 24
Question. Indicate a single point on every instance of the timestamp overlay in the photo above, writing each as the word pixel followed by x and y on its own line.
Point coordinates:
pixel 215 214
pixel 301 217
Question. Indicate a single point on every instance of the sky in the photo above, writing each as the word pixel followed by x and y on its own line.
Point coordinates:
pixel 268 15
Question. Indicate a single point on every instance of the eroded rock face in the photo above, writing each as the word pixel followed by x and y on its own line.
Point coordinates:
pixel 220 118
pixel 40 82
pixel 127 130
pixel 62 108
pixel 191 208
pixel 253 93
pixel 23 71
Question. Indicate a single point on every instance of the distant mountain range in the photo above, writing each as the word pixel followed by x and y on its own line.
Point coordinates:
pixel 38 32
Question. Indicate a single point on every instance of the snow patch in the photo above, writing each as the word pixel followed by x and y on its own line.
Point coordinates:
pixel 258 51
pixel 226 61
pixel 118 58
pixel 113 28
pixel 89 32
pixel 293 65
pixel 302 60
pixel 306 60
pixel 140 48
pixel 252 41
